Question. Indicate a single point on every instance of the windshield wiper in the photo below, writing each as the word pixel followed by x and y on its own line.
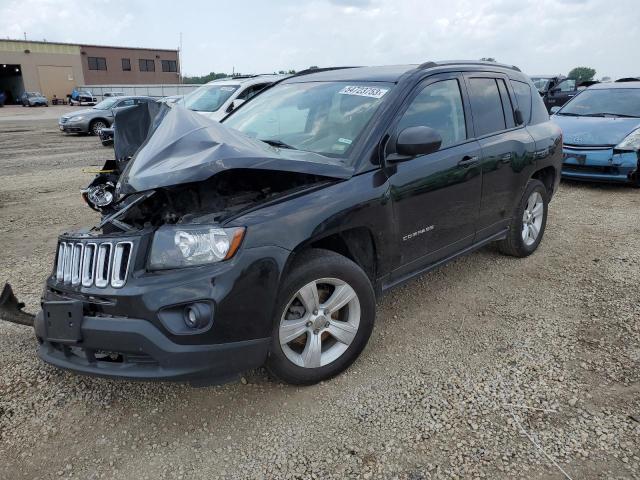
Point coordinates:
pixel 604 114
pixel 277 143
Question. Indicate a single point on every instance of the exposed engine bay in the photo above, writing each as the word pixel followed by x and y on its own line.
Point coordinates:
pixel 211 201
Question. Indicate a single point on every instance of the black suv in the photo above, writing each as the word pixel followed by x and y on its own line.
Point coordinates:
pixel 265 240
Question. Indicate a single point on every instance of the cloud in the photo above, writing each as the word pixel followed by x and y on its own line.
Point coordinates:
pixel 257 36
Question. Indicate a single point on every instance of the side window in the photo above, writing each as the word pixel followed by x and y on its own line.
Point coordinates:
pixel 486 106
pixel 568 85
pixel 439 106
pixel 523 97
pixel 507 106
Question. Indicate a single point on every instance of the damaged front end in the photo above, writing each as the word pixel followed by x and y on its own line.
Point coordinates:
pixel 138 294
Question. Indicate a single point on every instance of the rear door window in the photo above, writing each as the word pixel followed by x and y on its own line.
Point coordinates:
pixel 523 97
pixel 486 106
pixel 507 105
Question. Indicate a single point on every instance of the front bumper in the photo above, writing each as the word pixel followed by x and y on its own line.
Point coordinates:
pixel 135 349
pixel 141 324
pixel 74 127
pixel 601 165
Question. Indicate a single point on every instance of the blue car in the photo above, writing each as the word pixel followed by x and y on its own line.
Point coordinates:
pixel 601 130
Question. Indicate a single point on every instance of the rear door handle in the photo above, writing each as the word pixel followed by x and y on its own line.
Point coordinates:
pixel 468 161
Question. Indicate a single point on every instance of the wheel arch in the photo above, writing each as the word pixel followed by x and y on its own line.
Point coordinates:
pixel 97 119
pixel 356 243
pixel 547 175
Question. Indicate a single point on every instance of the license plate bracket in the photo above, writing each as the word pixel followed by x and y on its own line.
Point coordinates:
pixel 63 321
pixel 579 158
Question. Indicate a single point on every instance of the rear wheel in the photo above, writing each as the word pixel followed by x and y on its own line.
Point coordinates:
pixel 323 320
pixel 528 223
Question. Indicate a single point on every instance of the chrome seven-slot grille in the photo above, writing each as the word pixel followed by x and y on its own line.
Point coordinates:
pixel 93 263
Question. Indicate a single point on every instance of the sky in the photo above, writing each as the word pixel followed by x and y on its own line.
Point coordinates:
pixel 251 36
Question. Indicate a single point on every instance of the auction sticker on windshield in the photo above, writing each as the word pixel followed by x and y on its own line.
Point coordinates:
pixel 373 92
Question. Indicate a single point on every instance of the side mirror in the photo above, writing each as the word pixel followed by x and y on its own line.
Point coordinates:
pixel 414 141
pixel 518 117
pixel 554 90
pixel 555 109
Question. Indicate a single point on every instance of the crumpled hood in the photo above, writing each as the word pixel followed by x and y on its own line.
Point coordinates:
pixel 595 130
pixel 187 147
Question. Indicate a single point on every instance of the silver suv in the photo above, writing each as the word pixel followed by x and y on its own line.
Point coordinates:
pixel 218 98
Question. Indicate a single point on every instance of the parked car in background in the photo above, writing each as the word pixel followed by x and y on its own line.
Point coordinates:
pixel 33 99
pixel 217 98
pixel 565 91
pixel 544 83
pixel 601 129
pixel 82 97
pixel 265 239
pixel 92 120
pixel 112 94
pixel 106 135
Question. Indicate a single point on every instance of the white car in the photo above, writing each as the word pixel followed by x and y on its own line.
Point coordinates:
pixel 218 98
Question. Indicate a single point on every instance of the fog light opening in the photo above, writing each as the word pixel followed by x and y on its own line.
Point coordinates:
pixel 197 315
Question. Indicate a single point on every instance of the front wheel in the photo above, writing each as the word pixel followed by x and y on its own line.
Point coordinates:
pixel 324 318
pixel 528 223
pixel 96 126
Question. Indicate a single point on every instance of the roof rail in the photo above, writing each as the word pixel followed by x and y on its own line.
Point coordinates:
pixel 317 70
pixel 472 62
pixel 427 65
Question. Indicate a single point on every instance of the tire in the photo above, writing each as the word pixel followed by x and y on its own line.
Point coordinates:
pixel 530 217
pixel 334 278
pixel 96 125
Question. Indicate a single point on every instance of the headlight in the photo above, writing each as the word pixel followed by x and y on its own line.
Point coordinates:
pixel 631 142
pixel 76 119
pixel 178 246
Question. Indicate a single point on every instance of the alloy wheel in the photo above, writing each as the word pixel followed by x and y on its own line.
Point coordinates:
pixel 532 218
pixel 319 323
pixel 97 126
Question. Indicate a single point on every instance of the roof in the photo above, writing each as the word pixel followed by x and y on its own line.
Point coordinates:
pixel 389 73
pixel 81 45
pixel 612 85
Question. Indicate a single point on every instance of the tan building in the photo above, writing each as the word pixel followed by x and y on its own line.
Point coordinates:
pixel 126 66
pixel 50 68
pixel 56 68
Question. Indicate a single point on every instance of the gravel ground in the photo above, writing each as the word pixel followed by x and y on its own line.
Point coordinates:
pixel 473 370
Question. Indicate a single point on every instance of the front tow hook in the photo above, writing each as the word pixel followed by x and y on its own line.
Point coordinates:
pixel 11 308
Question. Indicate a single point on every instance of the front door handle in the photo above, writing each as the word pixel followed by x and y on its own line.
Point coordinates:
pixel 468 161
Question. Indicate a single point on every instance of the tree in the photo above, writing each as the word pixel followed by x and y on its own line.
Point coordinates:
pixel 487 59
pixel 582 74
pixel 204 79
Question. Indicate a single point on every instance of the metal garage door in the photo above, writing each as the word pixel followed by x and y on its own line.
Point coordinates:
pixel 56 80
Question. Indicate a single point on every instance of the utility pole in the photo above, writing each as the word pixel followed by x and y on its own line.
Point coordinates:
pixel 25 35
pixel 180 74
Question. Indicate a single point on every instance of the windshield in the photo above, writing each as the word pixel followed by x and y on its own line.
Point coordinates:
pixel 209 98
pixel 106 104
pixel 34 94
pixel 622 102
pixel 320 117
pixel 541 83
